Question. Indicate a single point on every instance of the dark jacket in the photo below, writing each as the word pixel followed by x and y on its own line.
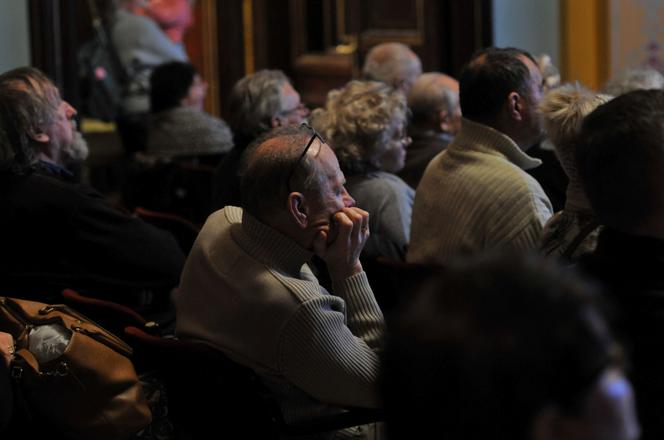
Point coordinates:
pixel 57 234
pixel 632 269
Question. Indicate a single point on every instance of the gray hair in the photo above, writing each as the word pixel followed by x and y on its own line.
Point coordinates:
pixel 29 102
pixel 253 102
pixel 429 94
pixel 391 63
pixel 267 164
pixel 359 120
pixel 634 79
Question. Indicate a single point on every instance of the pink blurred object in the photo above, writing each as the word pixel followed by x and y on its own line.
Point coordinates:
pixel 100 73
pixel 173 16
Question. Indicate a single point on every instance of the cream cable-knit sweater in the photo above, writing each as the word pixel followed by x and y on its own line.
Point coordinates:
pixel 247 290
pixel 475 196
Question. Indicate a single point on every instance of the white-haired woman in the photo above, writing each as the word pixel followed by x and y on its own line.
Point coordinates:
pixel 573 231
pixel 365 123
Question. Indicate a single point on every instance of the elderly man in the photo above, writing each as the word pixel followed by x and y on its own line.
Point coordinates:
pixel 56 233
pixel 436 118
pixel 475 195
pixel 621 156
pixel 394 64
pixel 247 288
pixel 258 103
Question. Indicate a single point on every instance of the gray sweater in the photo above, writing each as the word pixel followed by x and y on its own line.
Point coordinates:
pixel 247 290
pixel 475 196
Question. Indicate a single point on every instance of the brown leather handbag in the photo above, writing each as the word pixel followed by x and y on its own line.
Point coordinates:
pixel 86 389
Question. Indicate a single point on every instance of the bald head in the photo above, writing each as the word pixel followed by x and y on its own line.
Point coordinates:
pixel 394 64
pixel 434 102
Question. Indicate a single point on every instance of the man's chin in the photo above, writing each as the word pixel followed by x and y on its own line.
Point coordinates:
pixel 78 150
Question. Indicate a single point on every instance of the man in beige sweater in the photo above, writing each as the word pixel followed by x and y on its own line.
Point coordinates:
pixel 247 288
pixel 475 195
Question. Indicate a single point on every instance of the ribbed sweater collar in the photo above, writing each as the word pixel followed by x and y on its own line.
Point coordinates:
pixel 482 138
pixel 271 247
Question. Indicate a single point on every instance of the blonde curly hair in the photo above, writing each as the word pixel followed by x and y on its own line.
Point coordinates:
pixel 359 122
pixel 563 110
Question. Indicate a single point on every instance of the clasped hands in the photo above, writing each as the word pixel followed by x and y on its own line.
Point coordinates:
pixel 341 245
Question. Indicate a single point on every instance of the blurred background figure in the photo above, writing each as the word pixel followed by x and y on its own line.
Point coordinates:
pixel 550 174
pixel 436 117
pixel 634 79
pixel 141 45
pixel 508 348
pixel 620 153
pixel 394 64
pixel 365 124
pixel 179 126
pixel 173 16
pixel 572 231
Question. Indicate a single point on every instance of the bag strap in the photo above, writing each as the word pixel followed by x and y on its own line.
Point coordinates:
pixel 590 227
pixel 22 359
pixel 102 36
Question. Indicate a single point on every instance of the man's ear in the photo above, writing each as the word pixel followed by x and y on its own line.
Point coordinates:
pixel 276 122
pixel 515 106
pixel 38 135
pixel 297 209
pixel 444 121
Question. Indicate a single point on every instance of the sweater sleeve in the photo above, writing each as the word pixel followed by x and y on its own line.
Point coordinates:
pixel 330 354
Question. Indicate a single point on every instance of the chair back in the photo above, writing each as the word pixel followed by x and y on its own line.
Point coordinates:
pixel 183 230
pixel 207 392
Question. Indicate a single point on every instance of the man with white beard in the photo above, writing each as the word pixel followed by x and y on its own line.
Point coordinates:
pixel 57 233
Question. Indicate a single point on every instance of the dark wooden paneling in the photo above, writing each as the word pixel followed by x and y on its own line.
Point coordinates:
pixel 230 47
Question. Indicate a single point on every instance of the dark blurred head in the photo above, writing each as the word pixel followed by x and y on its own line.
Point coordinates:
pixel 170 84
pixel 621 158
pixel 503 347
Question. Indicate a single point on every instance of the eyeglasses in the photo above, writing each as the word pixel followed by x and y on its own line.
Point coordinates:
pixel 313 137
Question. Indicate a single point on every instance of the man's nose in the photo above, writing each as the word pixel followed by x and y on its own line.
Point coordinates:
pixel 349 202
pixel 71 111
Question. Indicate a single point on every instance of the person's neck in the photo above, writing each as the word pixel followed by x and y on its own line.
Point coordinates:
pixel 509 130
pixel 49 158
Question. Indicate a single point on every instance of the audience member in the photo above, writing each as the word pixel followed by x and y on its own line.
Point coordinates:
pixel 475 195
pixel 56 233
pixel 179 126
pixel 436 118
pixel 141 45
pixel 173 16
pixel 507 348
pixel 621 157
pixel 550 174
pixel 365 123
pixel 258 102
pixel 634 79
pixel 394 64
pixel 247 289
pixel 573 231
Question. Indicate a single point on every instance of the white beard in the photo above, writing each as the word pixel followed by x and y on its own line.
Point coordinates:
pixel 77 151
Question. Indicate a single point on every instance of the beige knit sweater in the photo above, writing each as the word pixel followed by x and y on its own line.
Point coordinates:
pixel 247 290
pixel 475 196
